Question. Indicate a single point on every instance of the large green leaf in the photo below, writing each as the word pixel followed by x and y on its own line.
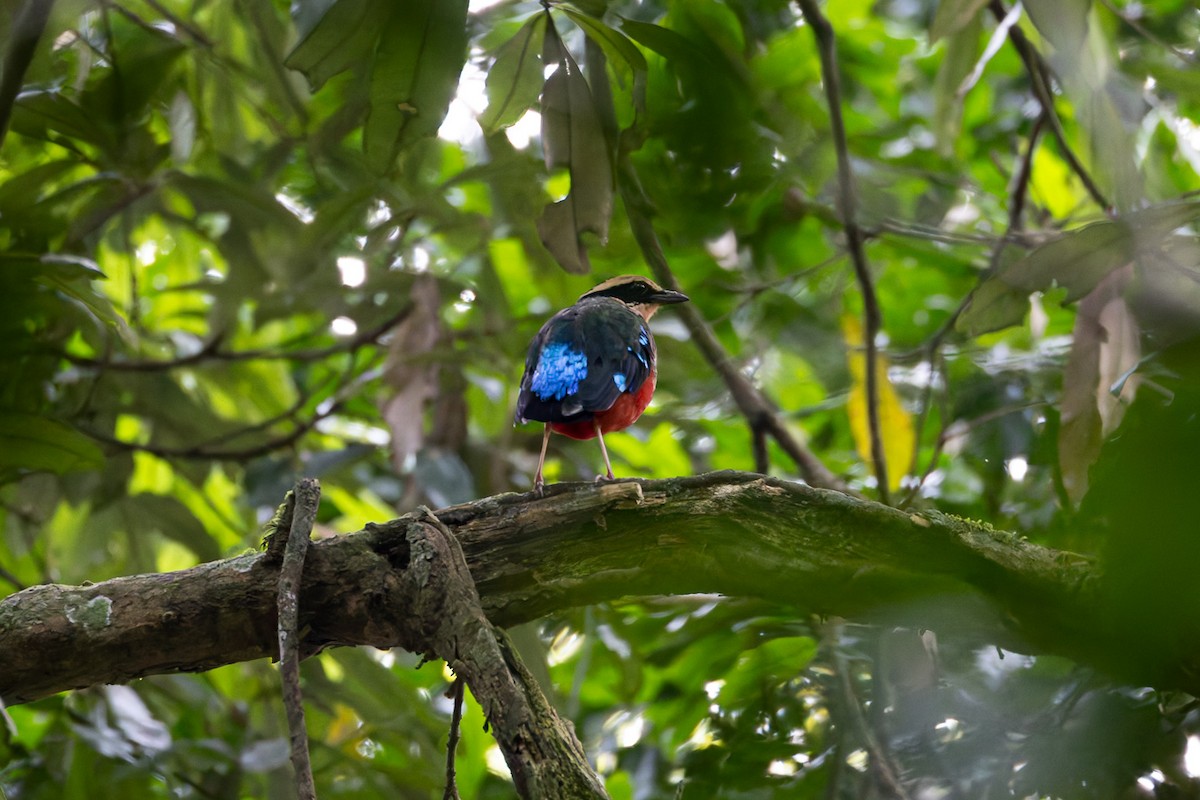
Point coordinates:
pixel 774 661
pixel 573 138
pixel 515 80
pixel 30 443
pixel 617 47
pixel 664 41
pixel 45 113
pixel 420 55
pixel 345 35
pixel 962 50
pixel 1078 261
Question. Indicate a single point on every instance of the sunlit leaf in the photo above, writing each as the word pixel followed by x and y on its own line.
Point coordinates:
pixel 515 79
pixel 774 661
pixel 895 423
pixel 662 455
pixel 617 47
pixel 1105 348
pixel 420 55
pixel 572 137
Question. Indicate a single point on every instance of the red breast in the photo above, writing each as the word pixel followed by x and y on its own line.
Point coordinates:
pixel 623 413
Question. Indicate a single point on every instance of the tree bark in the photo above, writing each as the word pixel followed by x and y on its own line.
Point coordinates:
pixel 736 534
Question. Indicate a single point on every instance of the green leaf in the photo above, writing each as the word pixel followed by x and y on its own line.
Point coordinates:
pixel 1063 22
pixel 145 58
pixel 954 16
pixel 420 55
pixel 515 80
pixel 775 661
pixel 1077 261
pixel 1105 345
pixel 30 443
pixel 41 113
pixel 344 36
pixel 572 137
pixel 664 41
pixel 617 47
pixel 962 50
pixel 151 513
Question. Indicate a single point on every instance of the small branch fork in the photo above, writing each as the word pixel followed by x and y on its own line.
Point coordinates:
pixel 443 617
pixel 847 207
pixel 295 522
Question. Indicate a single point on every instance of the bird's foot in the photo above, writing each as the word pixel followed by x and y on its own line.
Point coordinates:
pixel 605 478
pixel 539 487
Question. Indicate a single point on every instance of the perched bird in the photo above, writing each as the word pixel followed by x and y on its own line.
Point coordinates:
pixel 591 368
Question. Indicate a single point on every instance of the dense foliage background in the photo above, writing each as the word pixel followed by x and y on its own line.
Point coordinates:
pixel 242 242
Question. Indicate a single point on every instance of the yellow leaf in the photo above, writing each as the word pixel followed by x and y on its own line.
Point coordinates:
pixel 896 425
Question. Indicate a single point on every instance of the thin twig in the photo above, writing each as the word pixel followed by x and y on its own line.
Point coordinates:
pixel 1146 33
pixel 206 450
pixel 307 498
pixel 762 458
pixel 456 690
pixel 1039 78
pixel 847 206
pixel 203 452
pixel 1019 189
pixel 882 767
pixel 191 30
pixel 1017 193
pixel 211 352
pixel 11 577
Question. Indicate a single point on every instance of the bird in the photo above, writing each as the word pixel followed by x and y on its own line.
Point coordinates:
pixel 591 368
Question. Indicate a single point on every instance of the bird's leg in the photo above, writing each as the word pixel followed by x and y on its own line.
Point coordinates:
pixel 603 451
pixel 539 483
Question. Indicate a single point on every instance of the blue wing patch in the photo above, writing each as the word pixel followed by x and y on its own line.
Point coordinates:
pixel 559 371
pixel 619 380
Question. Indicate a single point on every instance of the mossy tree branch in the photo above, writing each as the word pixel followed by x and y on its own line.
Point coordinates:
pixel 738 534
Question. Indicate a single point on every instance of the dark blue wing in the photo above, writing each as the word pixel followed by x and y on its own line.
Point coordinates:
pixel 583 359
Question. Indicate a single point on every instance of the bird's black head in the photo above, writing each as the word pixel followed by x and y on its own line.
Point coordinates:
pixel 636 291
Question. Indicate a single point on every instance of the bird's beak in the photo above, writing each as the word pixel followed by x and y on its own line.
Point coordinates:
pixel 665 297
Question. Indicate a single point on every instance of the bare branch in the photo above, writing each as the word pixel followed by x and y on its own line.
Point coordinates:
pixel 1039 78
pixel 456 689
pixel 1146 33
pixel 848 209
pixel 211 352
pixel 304 501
